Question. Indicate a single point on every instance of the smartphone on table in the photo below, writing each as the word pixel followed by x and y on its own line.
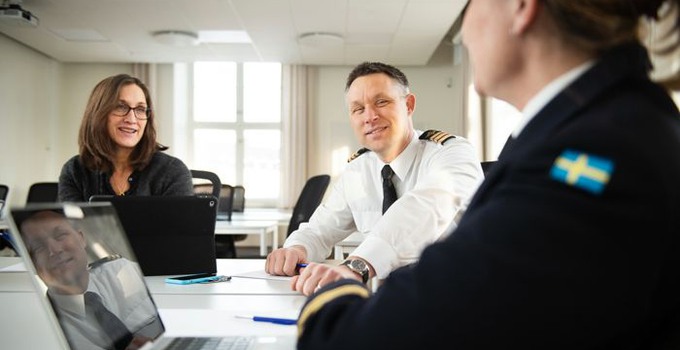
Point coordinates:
pixel 197 278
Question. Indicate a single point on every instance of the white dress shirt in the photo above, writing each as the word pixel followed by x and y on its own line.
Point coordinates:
pixel 120 285
pixel 433 182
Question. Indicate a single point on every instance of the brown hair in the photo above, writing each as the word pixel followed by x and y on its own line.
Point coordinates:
pixel 597 26
pixel 97 148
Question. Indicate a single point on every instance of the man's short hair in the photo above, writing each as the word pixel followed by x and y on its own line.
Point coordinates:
pixel 367 68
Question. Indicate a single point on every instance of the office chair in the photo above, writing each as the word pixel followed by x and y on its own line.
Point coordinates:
pixel 239 203
pixel 43 192
pixel 224 244
pixel 226 204
pixel 4 190
pixel 214 185
pixel 310 198
pixel 5 241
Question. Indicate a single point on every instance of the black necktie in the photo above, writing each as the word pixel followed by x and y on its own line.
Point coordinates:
pixel 389 193
pixel 109 322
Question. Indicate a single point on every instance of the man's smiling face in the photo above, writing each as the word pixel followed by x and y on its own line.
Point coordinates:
pixel 57 251
pixel 380 113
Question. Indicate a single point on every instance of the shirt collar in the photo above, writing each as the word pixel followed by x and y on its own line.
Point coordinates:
pixel 401 164
pixel 546 94
pixel 73 303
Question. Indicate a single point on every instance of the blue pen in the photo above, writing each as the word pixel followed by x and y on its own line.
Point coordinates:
pixel 301 265
pixel 276 320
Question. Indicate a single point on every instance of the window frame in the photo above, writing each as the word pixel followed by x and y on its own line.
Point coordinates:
pixel 187 125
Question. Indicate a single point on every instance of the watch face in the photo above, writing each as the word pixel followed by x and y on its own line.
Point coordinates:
pixel 358 264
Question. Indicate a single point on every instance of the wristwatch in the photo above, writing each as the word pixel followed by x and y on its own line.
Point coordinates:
pixel 358 266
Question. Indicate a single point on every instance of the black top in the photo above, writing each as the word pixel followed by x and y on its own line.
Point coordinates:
pixel 164 176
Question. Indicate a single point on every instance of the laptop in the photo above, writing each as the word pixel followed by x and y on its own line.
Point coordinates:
pixel 92 288
pixel 170 235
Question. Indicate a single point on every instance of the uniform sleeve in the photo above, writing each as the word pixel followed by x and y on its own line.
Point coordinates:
pixel 448 178
pixel 344 315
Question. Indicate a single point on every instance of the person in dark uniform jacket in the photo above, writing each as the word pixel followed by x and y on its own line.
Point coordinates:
pixel 119 154
pixel 573 239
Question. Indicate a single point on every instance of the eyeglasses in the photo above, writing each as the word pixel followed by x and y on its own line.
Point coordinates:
pixel 141 112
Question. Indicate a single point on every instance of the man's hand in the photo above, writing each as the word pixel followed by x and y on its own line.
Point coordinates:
pixel 315 276
pixel 283 261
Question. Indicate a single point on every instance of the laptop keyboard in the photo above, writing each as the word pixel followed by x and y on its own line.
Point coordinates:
pixel 212 343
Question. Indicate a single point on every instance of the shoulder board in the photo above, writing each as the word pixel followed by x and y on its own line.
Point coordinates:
pixel 437 136
pixel 103 260
pixel 357 154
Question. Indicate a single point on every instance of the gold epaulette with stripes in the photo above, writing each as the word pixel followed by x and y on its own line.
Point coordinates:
pixel 357 154
pixel 437 136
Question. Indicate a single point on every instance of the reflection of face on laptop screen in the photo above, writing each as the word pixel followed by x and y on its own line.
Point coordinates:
pixel 90 275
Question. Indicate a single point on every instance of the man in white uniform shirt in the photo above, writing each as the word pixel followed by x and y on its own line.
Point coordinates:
pixel 81 293
pixel 434 175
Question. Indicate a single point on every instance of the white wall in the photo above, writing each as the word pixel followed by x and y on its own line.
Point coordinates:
pixel 28 116
pixel 43 101
pixel 439 105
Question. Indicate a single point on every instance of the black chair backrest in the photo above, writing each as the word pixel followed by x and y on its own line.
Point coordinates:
pixel 215 183
pixel 309 199
pixel 43 192
pixel 239 201
pixel 4 190
pixel 226 203
pixel 224 244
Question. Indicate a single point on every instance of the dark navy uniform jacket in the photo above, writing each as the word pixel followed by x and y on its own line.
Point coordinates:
pixel 571 242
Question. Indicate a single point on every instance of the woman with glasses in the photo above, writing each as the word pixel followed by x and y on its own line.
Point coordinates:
pixel 119 154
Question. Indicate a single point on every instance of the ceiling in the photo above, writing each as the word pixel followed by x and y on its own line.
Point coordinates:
pixel 400 32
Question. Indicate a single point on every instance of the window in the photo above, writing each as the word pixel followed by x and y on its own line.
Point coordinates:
pixel 233 124
pixel 502 118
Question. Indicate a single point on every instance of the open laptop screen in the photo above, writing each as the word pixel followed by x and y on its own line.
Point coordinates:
pixel 85 269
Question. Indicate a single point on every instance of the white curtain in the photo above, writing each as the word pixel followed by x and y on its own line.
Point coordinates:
pixel 295 109
pixel 146 72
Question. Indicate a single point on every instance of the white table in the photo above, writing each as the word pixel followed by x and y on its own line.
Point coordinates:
pixel 347 245
pixel 242 282
pixel 265 214
pixel 192 310
pixel 251 227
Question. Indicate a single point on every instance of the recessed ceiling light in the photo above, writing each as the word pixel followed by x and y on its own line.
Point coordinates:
pixel 224 37
pixel 80 35
pixel 320 39
pixel 176 37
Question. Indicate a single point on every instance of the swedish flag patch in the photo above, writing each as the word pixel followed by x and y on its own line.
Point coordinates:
pixel 582 170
